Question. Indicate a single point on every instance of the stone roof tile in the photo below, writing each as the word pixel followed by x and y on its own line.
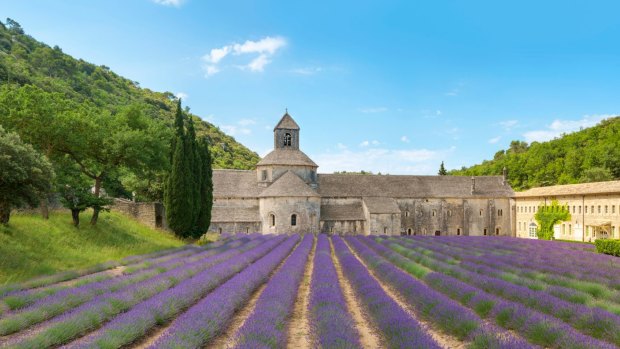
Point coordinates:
pixel 235 184
pixel 381 205
pixel 289 184
pixel 287 157
pixel 573 189
pixel 287 122
pixel 344 212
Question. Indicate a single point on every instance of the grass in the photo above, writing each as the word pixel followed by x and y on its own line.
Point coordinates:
pixel 31 246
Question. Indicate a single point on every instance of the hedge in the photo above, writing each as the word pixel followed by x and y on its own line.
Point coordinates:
pixel 607 246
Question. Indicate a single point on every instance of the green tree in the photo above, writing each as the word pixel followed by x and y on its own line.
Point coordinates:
pixel 178 198
pixel 206 187
pixel 25 174
pixel 548 216
pixel 195 176
pixel 596 174
pixel 442 170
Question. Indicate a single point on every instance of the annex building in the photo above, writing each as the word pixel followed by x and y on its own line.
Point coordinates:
pixel 593 206
pixel 286 194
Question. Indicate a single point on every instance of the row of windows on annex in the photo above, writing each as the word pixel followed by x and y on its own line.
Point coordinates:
pixel 272 220
pixel 500 213
pixel 565 230
pixel 575 209
pixel 424 231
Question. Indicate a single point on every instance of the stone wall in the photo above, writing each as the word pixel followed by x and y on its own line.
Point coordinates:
pixel 306 209
pixel 342 227
pixel 149 213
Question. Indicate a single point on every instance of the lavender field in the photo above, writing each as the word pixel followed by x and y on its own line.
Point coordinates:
pixel 256 291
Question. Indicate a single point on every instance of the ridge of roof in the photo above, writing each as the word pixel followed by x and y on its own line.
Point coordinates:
pixel 573 189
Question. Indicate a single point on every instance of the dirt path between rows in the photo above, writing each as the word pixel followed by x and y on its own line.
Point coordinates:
pixel 299 326
pixel 443 339
pixel 368 334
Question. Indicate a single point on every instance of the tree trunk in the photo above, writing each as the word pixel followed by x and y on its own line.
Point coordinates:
pixel 95 217
pixel 45 212
pixel 75 214
pixel 5 212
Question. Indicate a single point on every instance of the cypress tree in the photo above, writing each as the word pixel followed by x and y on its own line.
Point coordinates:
pixel 206 186
pixel 194 174
pixel 177 196
pixel 442 170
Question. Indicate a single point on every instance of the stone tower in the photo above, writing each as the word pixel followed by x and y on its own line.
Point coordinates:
pixel 286 156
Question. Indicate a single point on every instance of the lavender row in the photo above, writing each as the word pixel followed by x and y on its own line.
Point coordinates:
pixel 209 317
pixel 399 329
pixel 92 314
pixel 69 298
pixel 539 329
pixel 549 257
pixel 25 298
pixel 557 285
pixel 72 274
pixel 595 322
pixel 267 326
pixel 445 313
pixel 137 322
pixel 331 324
pixel 527 267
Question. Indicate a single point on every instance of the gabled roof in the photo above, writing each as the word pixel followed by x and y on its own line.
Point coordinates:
pixel 287 157
pixel 609 187
pixel 235 184
pixel 287 122
pixel 399 186
pixel 342 212
pixel 381 205
pixel 289 184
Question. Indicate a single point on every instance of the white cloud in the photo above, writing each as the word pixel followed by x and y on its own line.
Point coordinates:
pixel 405 139
pixel 210 70
pixel 364 144
pixel 508 124
pixel 373 110
pixel 258 63
pixel 216 54
pixel 267 45
pixel 181 95
pixel 307 70
pixel 341 146
pixel 367 143
pixel 494 139
pixel 558 127
pixel 235 130
pixel 175 3
pixel 408 161
pixel 265 48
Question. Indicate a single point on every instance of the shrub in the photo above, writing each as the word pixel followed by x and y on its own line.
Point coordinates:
pixel 611 247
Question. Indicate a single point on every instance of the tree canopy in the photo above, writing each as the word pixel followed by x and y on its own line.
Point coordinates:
pixel 592 154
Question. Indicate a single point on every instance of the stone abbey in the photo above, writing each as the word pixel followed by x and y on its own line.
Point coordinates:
pixel 286 194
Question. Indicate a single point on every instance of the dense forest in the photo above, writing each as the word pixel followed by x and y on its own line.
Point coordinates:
pixel 589 155
pixel 26 61
pixel 75 112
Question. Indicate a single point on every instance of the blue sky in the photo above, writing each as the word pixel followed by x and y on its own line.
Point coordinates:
pixel 390 86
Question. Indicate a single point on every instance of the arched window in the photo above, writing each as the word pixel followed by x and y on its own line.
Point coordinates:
pixel 458 231
pixel 409 231
pixel 294 220
pixel 384 230
pixel 496 231
pixel 485 231
pixel 287 139
pixel 272 220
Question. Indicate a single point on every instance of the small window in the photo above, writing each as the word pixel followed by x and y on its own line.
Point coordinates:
pixel 220 230
pixel 592 209
pixel 579 209
pixel 272 220
pixel 485 231
pixel 532 230
pixel 407 215
pixel 613 208
pixel 385 230
pixel 287 140
pixel 599 209
pixel 606 209
pixel 247 230
pixel 586 208
pixel 481 210
pixel 449 213
pixel 409 231
pixel 458 231
pixel 263 175
pixel 496 231
pixel 294 220
pixel 434 213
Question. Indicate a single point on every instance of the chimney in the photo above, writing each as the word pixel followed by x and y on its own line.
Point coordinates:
pixel 505 176
pixel 473 185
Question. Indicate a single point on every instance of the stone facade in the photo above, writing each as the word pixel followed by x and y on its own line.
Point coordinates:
pixel 595 206
pixel 149 213
pixel 286 195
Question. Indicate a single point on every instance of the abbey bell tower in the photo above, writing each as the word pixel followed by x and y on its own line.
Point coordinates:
pixel 286 134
